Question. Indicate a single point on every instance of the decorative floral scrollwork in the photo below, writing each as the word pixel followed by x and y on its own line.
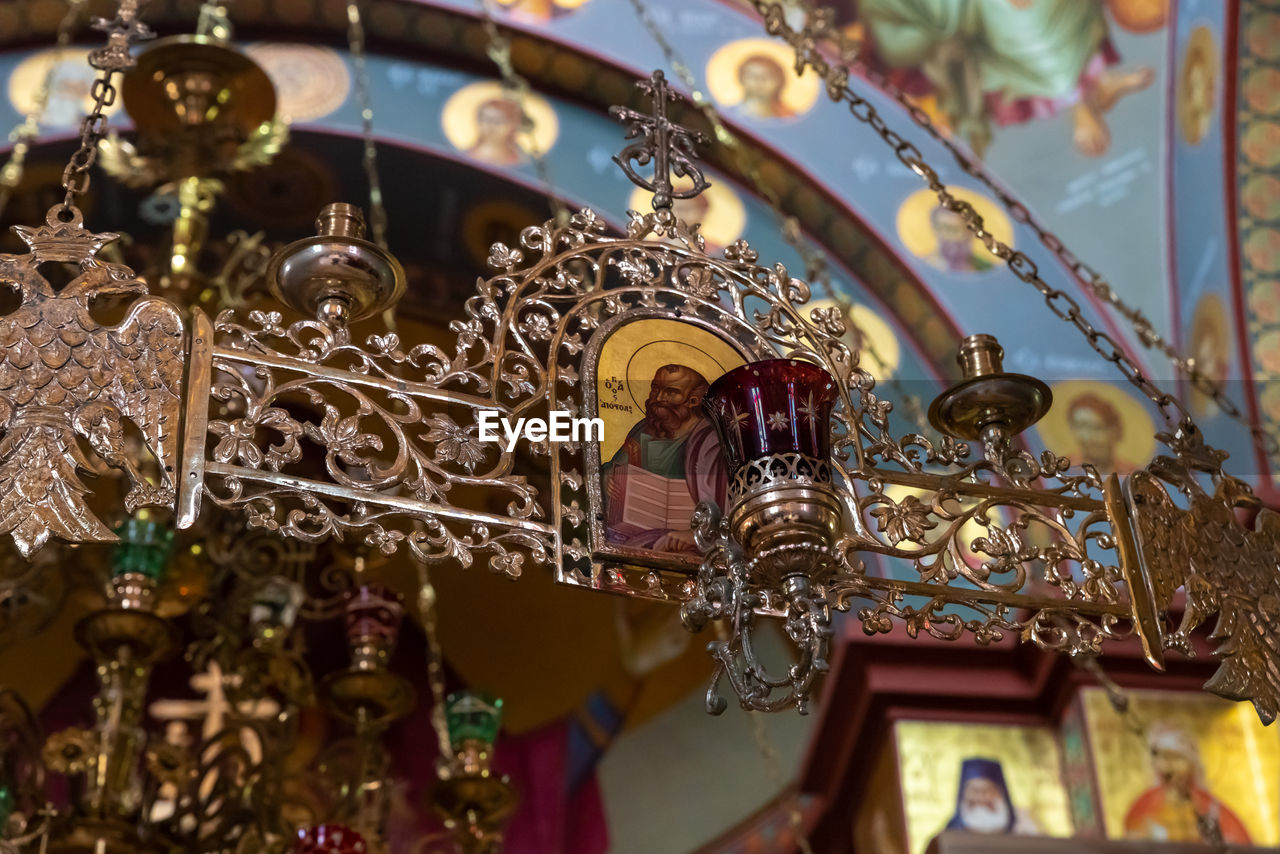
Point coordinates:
pixel 724 591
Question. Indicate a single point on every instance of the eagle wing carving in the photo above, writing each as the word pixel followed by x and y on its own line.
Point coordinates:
pixel 1225 568
pixel 67 381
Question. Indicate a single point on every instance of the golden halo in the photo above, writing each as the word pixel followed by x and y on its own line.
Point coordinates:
pixel 798 95
pixel 72 91
pixel 311 82
pixel 632 355
pixel 459 117
pixel 653 355
pixel 724 221
pixel 916 231
pixel 883 340
pixel 1209 321
pixel 1137 439
pixel 1202 51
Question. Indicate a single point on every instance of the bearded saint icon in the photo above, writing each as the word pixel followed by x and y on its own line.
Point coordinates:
pixel 669 462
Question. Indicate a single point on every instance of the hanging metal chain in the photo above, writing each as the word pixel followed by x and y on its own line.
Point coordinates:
pixel 435 659
pixel 816 268
pixel 364 94
pixel 23 135
pixel 773 768
pixel 498 48
pixel 122 31
pixel 820 28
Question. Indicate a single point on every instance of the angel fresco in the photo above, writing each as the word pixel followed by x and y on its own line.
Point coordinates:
pixel 984 64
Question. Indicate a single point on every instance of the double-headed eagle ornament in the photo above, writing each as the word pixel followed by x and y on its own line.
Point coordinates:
pixel 68 384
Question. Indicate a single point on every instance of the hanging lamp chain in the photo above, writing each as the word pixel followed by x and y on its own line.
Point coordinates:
pixel 820 27
pixel 364 95
pixel 427 613
pixel 517 88
pixel 820 31
pixel 122 31
pixel 24 134
pixel 773 769
pixel 816 268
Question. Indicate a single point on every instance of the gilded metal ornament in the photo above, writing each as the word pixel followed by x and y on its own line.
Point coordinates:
pixel 667 144
pixel 1224 568
pixel 64 375
pixel 312 436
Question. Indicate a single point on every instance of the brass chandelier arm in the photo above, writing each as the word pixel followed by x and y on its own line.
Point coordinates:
pixel 1064 500
pixel 416 389
pixel 808 42
pixel 1019 601
pixel 407 506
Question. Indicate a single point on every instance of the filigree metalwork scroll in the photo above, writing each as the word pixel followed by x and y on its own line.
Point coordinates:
pixel 313 435
pixel 725 592
pixel 64 376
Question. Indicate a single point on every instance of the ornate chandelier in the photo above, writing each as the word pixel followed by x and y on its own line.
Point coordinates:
pixel 307 434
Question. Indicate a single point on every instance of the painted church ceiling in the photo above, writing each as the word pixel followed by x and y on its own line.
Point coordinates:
pixel 1115 116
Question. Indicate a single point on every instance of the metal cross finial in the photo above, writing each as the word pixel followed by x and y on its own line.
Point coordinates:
pixel 668 145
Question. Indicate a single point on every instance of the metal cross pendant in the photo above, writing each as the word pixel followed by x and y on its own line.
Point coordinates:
pixel 668 145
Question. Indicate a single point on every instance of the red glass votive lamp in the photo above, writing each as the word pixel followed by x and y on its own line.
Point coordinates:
pixel 774 421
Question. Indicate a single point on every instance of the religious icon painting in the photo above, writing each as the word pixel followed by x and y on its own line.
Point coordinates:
pixel 70 81
pixel 1210 345
pixel 940 238
pixel 659 455
pixel 717 209
pixel 755 79
pixel 486 122
pixel 1192 757
pixel 980 778
pixel 1198 76
pixel 1100 424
